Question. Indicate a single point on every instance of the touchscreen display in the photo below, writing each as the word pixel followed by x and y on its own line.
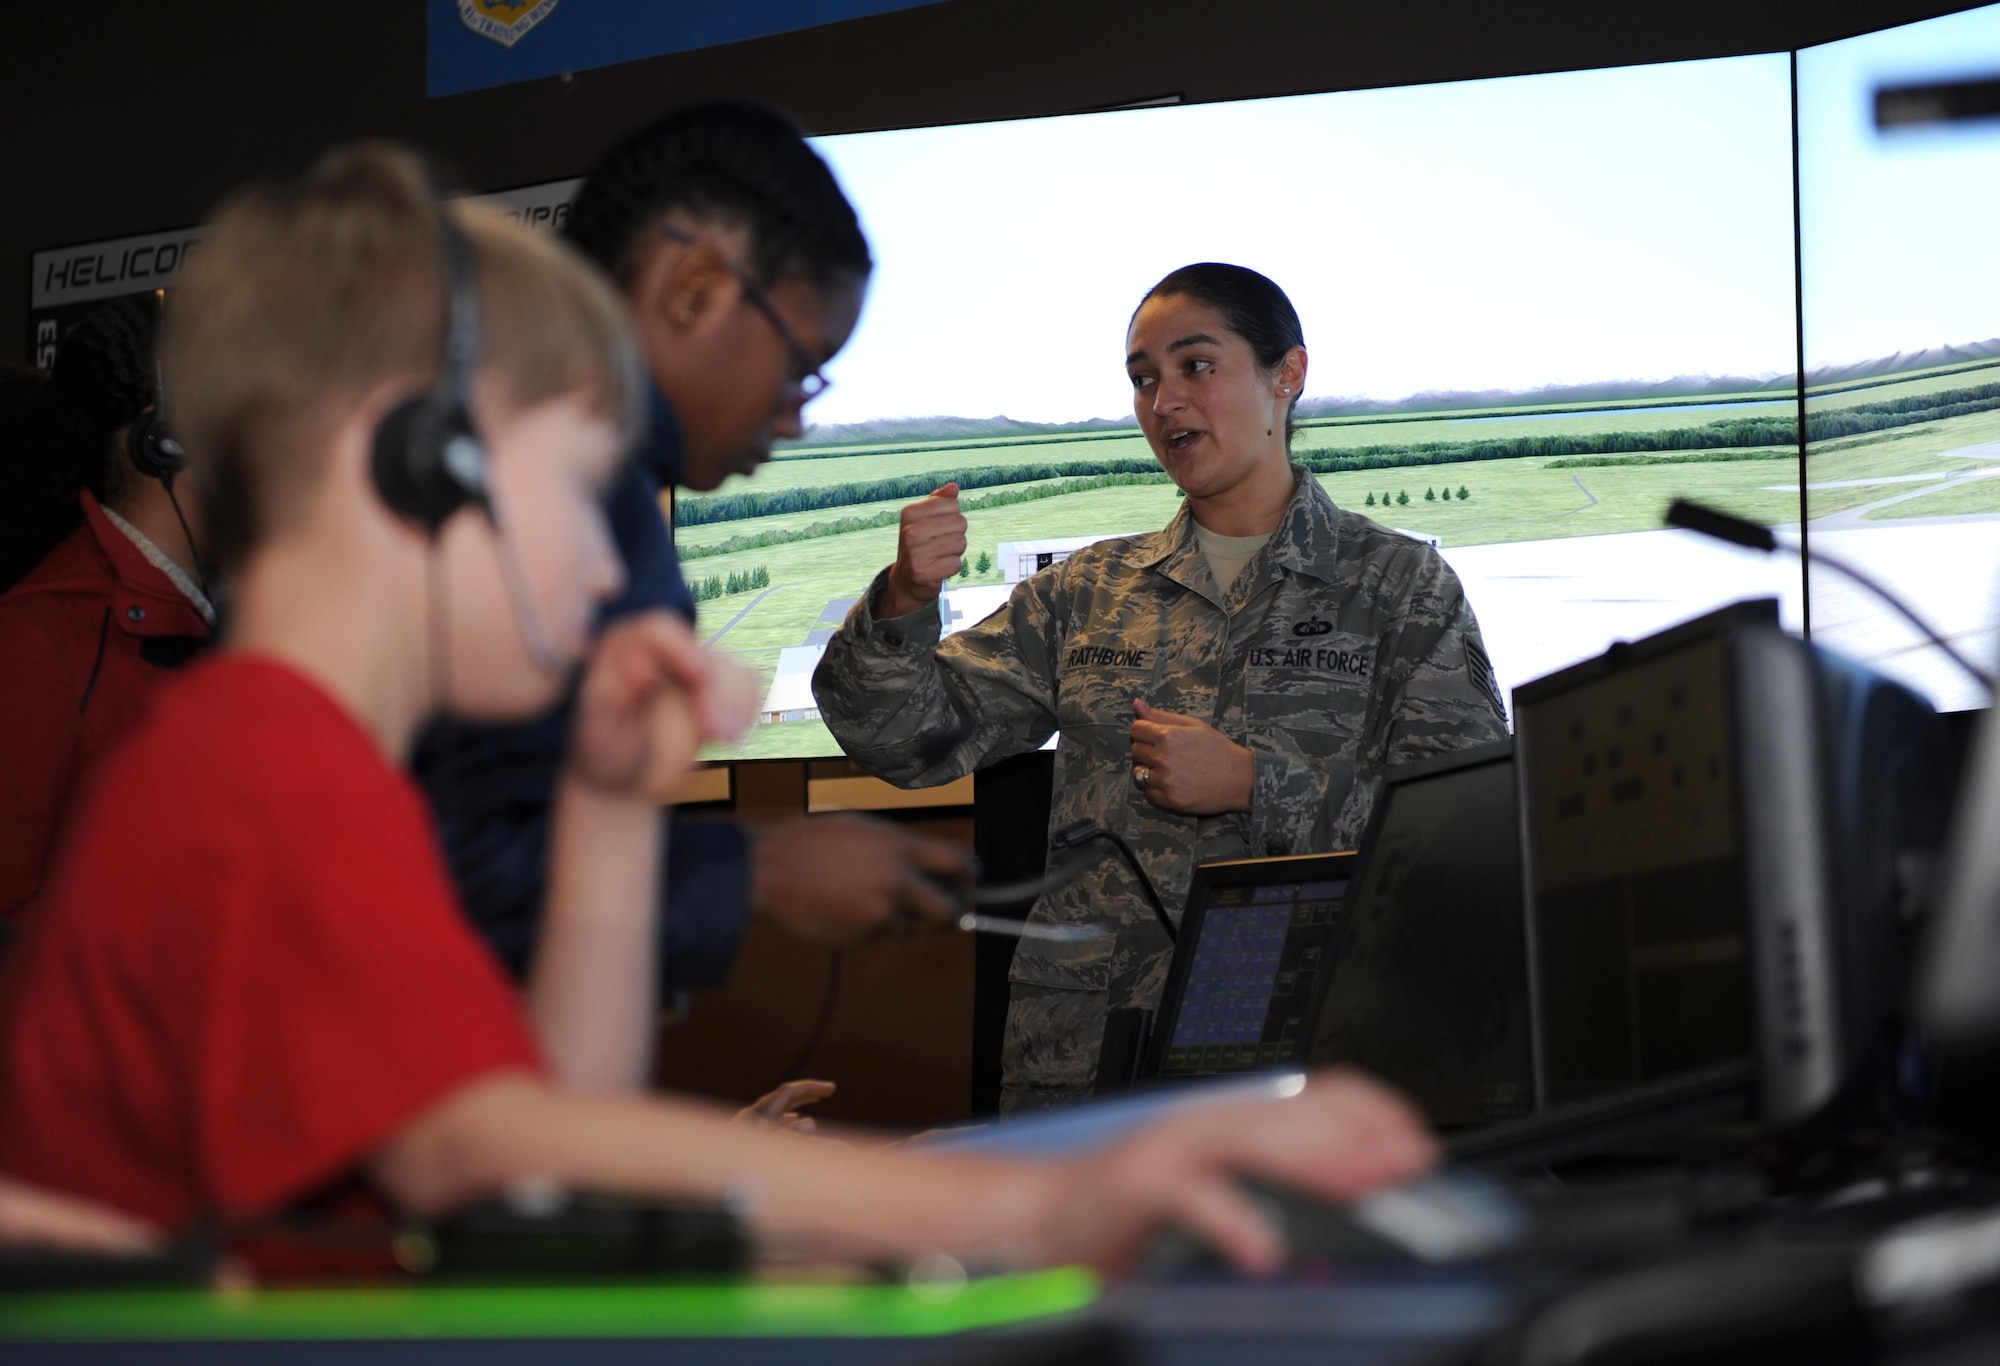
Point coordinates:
pixel 1259 954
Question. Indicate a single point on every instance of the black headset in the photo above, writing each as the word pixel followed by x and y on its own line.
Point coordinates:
pixel 153 449
pixel 428 460
pixel 149 443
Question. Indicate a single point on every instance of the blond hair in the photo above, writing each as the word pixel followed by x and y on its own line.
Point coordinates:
pixel 308 294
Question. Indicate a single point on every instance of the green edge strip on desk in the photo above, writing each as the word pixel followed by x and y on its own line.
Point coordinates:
pixel 383 1312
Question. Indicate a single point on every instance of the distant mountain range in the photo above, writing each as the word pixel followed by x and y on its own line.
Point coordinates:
pixel 1549 396
pixel 1906 360
pixel 941 428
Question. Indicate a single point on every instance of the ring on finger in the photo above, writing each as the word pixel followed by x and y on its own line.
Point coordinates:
pixel 1141 776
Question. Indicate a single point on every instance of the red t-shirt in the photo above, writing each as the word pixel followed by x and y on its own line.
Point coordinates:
pixel 249 969
pixel 86 637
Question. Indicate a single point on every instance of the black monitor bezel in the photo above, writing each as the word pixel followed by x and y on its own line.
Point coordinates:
pixel 1397 776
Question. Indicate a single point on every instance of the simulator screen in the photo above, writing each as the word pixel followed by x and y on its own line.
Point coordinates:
pixel 1536 308
pixel 1902 345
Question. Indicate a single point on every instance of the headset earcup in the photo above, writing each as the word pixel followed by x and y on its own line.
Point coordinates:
pixel 410 461
pixel 152 449
pixel 397 462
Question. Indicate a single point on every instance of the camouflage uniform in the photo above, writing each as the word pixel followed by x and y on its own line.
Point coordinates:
pixel 1341 648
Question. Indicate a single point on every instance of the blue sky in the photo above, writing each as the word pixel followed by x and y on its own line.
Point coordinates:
pixel 1633 223
pixel 1901 231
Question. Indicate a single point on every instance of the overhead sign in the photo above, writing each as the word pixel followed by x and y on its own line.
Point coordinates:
pixel 105 270
pixel 476 44
pixel 69 281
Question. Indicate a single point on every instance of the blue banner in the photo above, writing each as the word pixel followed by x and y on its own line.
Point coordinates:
pixel 475 44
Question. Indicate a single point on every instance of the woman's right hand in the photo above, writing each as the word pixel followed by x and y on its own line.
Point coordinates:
pixel 929 550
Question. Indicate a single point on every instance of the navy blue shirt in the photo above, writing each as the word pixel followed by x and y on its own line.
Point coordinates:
pixel 493 787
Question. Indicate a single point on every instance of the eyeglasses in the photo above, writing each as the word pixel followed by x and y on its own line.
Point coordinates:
pixel 806 376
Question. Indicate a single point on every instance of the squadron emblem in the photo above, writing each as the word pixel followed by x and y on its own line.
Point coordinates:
pixel 506 22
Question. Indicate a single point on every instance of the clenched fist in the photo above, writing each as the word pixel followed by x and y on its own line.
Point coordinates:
pixel 929 550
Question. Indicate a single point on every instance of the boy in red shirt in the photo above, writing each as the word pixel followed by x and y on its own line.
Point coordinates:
pixel 273 998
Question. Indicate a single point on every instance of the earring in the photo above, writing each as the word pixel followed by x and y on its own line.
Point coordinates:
pixel 687 317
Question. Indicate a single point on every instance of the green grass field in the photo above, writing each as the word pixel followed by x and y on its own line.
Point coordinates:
pixel 1511 500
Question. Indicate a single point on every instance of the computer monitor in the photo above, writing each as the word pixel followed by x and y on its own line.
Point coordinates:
pixel 1725 832
pixel 1429 985
pixel 1958 978
pixel 1255 943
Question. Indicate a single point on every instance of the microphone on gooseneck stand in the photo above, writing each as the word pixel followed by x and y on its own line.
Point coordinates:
pixel 1692 516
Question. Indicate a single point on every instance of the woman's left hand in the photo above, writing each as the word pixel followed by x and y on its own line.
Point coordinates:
pixel 1189 766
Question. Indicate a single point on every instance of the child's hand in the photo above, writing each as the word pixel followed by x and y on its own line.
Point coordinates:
pixel 32 1217
pixel 650 699
pixel 1342 1138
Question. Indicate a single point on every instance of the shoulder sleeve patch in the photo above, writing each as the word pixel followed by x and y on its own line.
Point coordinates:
pixel 1483 678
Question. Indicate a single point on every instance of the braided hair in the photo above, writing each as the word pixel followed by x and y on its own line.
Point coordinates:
pixel 57 435
pixel 740 162
pixel 103 379
pixel 38 505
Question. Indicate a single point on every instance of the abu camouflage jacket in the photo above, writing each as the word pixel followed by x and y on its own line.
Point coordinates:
pixel 1342 648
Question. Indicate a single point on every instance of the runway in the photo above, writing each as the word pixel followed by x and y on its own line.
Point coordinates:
pixel 1546 604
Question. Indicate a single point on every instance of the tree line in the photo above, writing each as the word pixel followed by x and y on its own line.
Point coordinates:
pixel 1729 434
pixel 1584 462
pixel 735 507
pixel 867 521
pixel 1746 432
pixel 717 585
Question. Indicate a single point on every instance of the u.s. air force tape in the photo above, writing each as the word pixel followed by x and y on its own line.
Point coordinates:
pixel 1317 658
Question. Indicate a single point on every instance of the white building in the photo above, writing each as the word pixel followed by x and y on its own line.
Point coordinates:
pixel 790 696
pixel 1018 559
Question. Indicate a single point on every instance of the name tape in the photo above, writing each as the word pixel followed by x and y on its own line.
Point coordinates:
pixel 1106 656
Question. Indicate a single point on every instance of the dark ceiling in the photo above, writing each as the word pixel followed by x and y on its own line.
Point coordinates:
pixel 127 117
